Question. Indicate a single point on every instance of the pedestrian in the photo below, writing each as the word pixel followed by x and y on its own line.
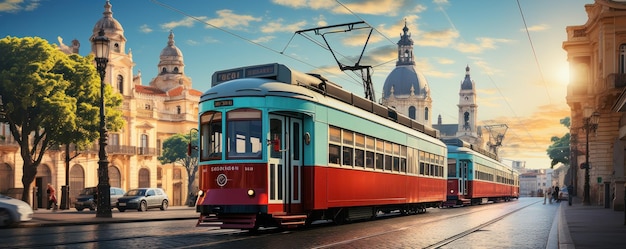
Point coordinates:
pixel 547 195
pixel 555 194
pixel 570 189
pixel 52 198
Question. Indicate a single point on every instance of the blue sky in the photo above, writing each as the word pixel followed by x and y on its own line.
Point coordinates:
pixel 514 48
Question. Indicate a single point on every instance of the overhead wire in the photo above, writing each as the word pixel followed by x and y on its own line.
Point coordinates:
pixel 530 40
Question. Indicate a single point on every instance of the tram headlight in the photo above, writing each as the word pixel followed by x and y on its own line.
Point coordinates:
pixel 451 191
pixel 200 193
pixel 251 193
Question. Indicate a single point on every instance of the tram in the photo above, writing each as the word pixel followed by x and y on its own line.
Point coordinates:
pixel 281 148
pixel 475 176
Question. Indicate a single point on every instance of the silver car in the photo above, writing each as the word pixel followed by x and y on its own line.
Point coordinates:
pixel 142 199
pixel 13 211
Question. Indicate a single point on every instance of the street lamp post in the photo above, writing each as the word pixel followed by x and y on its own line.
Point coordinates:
pixel 101 45
pixel 590 124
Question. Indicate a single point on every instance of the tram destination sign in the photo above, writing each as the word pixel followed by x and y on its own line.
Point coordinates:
pixel 226 102
pixel 260 71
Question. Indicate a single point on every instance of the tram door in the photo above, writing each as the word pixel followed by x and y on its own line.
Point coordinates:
pixel 285 161
pixel 463 176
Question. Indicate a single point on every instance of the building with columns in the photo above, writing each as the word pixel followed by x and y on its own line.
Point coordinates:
pixel 596 52
pixel 168 105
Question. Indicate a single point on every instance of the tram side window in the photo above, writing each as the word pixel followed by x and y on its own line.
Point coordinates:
pixel 452 167
pixel 369 155
pixel 244 134
pixel 334 147
pixel 348 142
pixel 379 154
pixel 211 136
pixel 333 153
pixel 359 152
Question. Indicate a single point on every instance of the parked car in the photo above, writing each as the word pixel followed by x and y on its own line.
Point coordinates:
pixel 563 194
pixel 142 199
pixel 86 198
pixel 13 211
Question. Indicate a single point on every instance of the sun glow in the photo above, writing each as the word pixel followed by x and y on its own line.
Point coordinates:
pixel 563 74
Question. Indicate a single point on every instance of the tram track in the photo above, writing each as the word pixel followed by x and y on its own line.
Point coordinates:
pixel 438 244
pixel 474 229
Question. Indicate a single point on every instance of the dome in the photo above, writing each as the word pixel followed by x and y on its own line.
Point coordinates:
pixel 403 79
pixel 467 83
pixel 171 49
pixel 107 22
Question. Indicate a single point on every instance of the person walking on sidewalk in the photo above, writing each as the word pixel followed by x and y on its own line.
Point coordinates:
pixel 52 198
pixel 555 194
pixel 547 194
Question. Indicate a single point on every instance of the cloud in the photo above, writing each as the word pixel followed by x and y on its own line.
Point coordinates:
pixel 14 6
pixel 228 19
pixel 264 39
pixel 279 26
pixel 185 22
pixel 145 29
pixel 544 123
pixel 312 4
pixel 321 21
pixel 483 43
pixel 540 27
pixel 371 7
pixel 444 61
pixel 439 38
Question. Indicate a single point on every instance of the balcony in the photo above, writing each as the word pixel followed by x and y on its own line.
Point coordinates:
pixel 146 151
pixel 121 149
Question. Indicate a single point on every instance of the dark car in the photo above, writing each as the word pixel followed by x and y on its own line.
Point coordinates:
pixel 86 198
pixel 142 199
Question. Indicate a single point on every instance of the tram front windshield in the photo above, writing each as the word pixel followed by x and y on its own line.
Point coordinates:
pixel 242 138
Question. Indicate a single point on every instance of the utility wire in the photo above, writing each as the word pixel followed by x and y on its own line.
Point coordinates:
pixel 543 80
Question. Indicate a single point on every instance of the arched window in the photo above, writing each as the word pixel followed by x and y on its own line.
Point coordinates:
pixel 175 69
pixel 178 109
pixel 115 178
pixel 77 180
pixel 144 178
pixel 426 114
pixel 120 83
pixel 116 47
pixel 164 70
pixel 412 112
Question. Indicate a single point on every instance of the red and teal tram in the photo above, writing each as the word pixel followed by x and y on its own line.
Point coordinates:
pixel 279 148
pixel 476 176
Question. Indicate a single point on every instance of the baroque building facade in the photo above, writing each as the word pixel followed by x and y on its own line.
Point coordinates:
pixel 168 105
pixel 596 52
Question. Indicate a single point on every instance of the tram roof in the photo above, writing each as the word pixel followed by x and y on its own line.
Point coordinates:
pixel 247 81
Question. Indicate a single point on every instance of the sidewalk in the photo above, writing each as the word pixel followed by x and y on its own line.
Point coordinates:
pixel 590 226
pixel 44 217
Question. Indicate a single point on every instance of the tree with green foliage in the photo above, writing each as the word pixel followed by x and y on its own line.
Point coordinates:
pixel 175 150
pixel 559 150
pixel 49 99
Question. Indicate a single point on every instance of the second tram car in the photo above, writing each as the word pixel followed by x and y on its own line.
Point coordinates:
pixel 280 148
pixel 476 176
